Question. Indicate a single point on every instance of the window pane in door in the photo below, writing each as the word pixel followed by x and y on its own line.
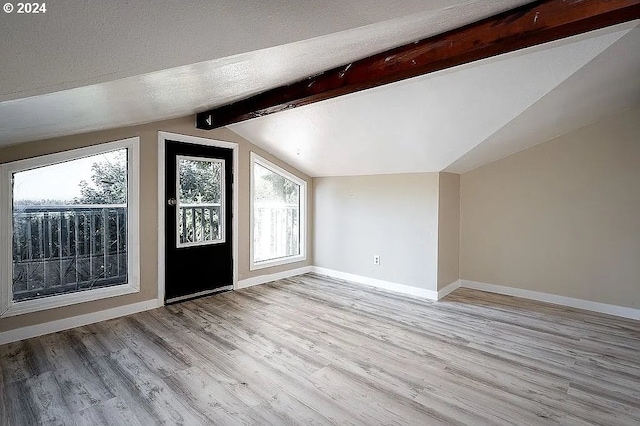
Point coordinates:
pixel 70 226
pixel 276 215
pixel 200 201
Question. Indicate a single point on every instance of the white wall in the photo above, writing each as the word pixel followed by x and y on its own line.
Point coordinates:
pixel 394 216
pixel 448 229
pixel 562 217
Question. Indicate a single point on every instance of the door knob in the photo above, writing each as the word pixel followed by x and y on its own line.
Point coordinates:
pixel 172 201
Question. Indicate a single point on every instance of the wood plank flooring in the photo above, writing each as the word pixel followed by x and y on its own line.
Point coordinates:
pixel 314 350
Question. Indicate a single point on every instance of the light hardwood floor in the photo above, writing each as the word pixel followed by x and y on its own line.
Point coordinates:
pixel 313 350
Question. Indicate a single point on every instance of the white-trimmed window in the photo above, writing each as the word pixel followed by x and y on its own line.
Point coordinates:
pixel 69 227
pixel 278 215
pixel 200 201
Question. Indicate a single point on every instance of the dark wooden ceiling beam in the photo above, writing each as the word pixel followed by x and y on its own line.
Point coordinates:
pixel 526 26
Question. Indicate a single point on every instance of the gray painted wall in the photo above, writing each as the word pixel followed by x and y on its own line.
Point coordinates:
pixel 448 229
pixel 394 216
pixel 562 217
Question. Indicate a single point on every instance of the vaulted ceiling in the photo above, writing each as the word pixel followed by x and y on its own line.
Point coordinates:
pixel 95 65
pixel 461 118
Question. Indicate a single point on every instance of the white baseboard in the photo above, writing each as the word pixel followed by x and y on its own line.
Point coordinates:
pixel 386 285
pixel 588 305
pixel 262 279
pixel 604 308
pixel 77 321
pixel 80 320
pixel 448 289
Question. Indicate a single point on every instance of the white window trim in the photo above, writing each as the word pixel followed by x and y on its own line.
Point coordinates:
pixel 256 159
pixel 10 308
pixel 223 189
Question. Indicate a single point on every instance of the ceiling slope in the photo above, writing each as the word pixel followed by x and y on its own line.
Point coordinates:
pixel 426 123
pixel 79 42
pixel 608 84
pixel 113 45
pixel 529 25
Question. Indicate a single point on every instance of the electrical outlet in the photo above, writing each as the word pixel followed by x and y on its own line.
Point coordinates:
pixel 376 259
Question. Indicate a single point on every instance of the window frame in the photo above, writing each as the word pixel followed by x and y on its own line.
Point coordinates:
pixel 10 308
pixel 222 216
pixel 253 265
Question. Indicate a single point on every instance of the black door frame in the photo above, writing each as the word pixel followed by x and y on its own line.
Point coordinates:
pixel 162 137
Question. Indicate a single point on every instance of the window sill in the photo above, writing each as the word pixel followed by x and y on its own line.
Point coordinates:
pixel 35 305
pixel 276 262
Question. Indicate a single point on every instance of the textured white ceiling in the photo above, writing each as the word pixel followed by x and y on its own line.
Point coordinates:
pixel 426 123
pixel 606 85
pixel 96 65
pixel 81 42
pixel 75 54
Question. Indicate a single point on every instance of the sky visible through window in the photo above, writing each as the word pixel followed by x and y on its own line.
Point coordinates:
pixel 60 182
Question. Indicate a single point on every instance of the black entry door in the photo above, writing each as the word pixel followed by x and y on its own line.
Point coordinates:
pixel 198 217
